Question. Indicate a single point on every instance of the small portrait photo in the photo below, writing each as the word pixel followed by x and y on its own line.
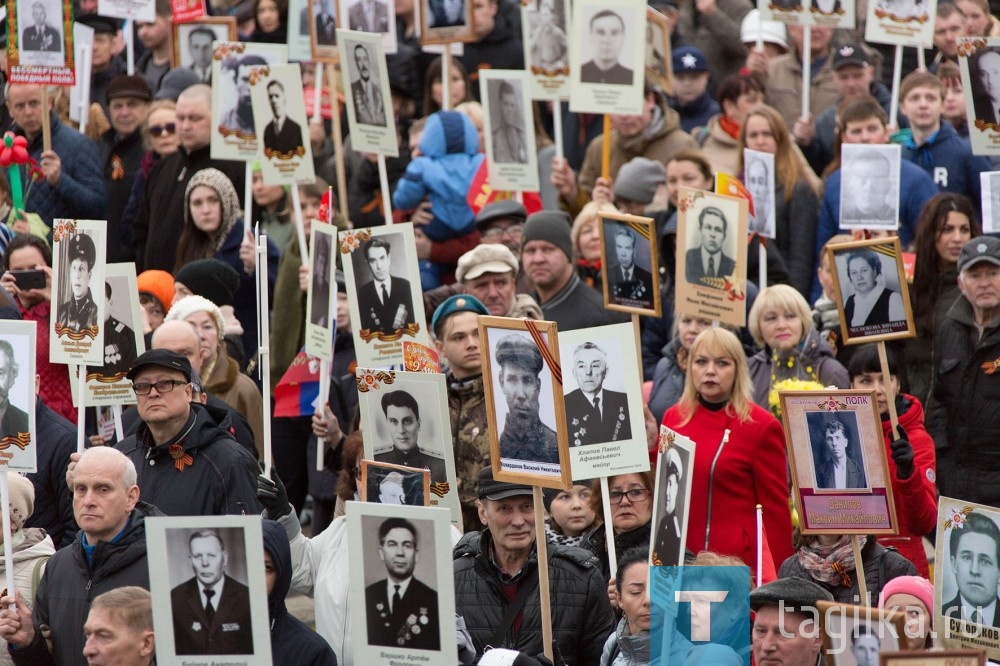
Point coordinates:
pixel 17 394
pixel 758 176
pixel 990 192
pixel 78 271
pixel 370 15
pixel 545 37
pixel 984 75
pixel 122 333
pixel 871 290
pixel 711 247
pixel 236 111
pixel 211 569
pixel 837 456
pixel 658 61
pixel 629 264
pixel 967 575
pixel 369 105
pixel 445 21
pixel 787 5
pixel 507 122
pixel 525 405
pixel 404 601
pixel 384 289
pixel 609 30
pixel 320 312
pixel 608 56
pixel 595 411
pixel 671 497
pixel 366 83
pixel 280 121
pixel 192 45
pixel 41 27
pixel 854 636
pixel 869 191
pixel 394 484
pixel 323 30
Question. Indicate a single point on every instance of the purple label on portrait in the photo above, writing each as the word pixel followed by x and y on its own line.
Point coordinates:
pixel 832 512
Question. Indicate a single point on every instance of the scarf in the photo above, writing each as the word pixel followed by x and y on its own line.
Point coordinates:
pixel 560 539
pixel 829 564
pixel 729 126
pixel 230 201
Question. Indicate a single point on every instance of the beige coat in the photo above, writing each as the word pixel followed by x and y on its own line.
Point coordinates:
pixel 784 88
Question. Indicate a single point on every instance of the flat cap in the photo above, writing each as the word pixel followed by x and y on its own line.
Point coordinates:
pixel 163 358
pixel 505 209
pixel 797 592
pixel 485 258
pixel 124 85
pixel 491 489
pixel 81 246
pixel 519 351
pixel 455 304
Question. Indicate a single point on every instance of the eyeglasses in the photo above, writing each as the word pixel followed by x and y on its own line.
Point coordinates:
pixel 157 130
pixel 162 386
pixel 635 495
pixel 495 232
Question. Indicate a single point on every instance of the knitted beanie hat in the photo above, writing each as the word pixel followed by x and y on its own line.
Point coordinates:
pixel 549 225
pixel 549 494
pixel 215 280
pixel 22 500
pixel 231 212
pixel 919 587
pixel 638 179
pixel 159 284
pixel 188 305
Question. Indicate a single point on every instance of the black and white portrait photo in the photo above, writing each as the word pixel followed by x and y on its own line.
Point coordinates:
pixel 607 35
pixel 710 248
pixel 838 459
pixel 119 328
pixel 508 129
pixel 368 15
pixel 548 44
pixel 827 7
pixel 403 424
pixel 78 309
pixel 446 21
pixel 630 277
pixel 902 10
pixel 384 297
pixel 869 191
pixel 366 86
pixel 322 253
pixel 193 43
pixel 324 23
pixel 78 272
pixel 280 122
pixel 445 13
pixel 984 74
pixel 237 116
pixel 869 283
pixel 989 182
pixel 42 27
pixel 528 432
pixel 207 573
pixel 507 123
pixel 672 492
pixel 758 175
pixel 17 394
pixel 596 414
pixel 237 72
pixel 282 135
pixel 856 636
pixel 394 484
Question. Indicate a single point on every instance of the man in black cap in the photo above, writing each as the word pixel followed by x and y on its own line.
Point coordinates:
pixel 190 461
pixel 122 150
pixel 524 436
pixel 668 550
pixel 784 631
pixel 496 582
pixel 78 312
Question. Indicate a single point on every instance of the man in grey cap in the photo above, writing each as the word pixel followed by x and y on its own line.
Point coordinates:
pixel 963 419
pixel 78 312
pixel 524 436
pixel 784 631
pixel 502 222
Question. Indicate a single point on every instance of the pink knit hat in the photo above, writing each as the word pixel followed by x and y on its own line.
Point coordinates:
pixel 919 587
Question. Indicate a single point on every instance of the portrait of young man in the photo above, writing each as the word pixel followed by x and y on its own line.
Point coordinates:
pixel 835 466
pixel 974 558
pixel 606 39
pixel 385 302
pixel 282 136
pixel 708 258
pixel 402 418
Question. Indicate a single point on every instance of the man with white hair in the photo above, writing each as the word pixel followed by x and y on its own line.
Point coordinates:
pixel 110 553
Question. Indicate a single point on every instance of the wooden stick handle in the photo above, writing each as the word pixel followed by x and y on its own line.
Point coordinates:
pixel 46 125
pixel 890 396
pixel 859 566
pixel 606 148
pixel 544 600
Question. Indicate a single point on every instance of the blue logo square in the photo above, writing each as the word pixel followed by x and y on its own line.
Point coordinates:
pixel 701 612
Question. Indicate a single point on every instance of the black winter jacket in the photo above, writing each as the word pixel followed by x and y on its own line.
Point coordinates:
pixel 581 614
pixel 963 419
pixel 121 159
pixel 501 49
pixel 220 479
pixel 53 510
pixel 69 584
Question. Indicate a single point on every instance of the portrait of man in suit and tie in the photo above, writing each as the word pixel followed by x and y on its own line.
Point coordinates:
pixel 211 610
pixel 15 420
pixel 326 22
pixel 607 39
pixel 369 106
pixel 974 558
pixel 445 13
pixel 282 136
pixel 402 611
pixel 708 259
pixel 385 302
pixel 41 35
pixel 199 51
pixel 837 460
pixel 368 16
pixel 628 283
pixel 595 414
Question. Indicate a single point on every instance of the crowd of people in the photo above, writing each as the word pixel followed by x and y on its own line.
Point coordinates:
pixel 144 164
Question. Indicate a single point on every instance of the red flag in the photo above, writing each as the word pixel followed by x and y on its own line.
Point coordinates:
pixel 481 194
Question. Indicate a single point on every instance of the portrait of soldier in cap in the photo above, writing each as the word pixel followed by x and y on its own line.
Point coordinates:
pixel 669 549
pixel 77 310
pixel 524 436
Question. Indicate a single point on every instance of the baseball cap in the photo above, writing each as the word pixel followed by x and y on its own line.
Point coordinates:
pixel 491 489
pixel 689 59
pixel 163 358
pixel 983 248
pixel 850 54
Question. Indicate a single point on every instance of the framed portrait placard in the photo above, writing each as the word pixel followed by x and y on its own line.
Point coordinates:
pixel 989 187
pixel 279 113
pixel 629 264
pixel 905 22
pixel 323 30
pixel 402 611
pixel 871 290
pixel 607 56
pixel 234 66
pixel 671 498
pixel 369 104
pixel 978 58
pixel 192 43
pixel 855 635
pixel 712 256
pixel 405 418
pixel 758 172
pixel 383 288
pixel 445 22
pixel 18 436
pixel 222 554
pixel 544 26
pixel 869 187
pixel 377 17
pixel 76 328
pixel 836 453
pixel 936 658
pixel 383 483
pixel 659 64
pixel 605 438
pixel 509 129
pixel 40 42
pixel 966 612
pixel 525 408
pixel 321 299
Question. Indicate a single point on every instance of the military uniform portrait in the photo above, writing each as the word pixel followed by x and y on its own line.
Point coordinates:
pixel 119 337
pixel 595 413
pixel 368 16
pixel 366 86
pixel 507 123
pixel 547 43
pixel 403 424
pixel 14 423
pixel 670 507
pixel 77 309
pixel 630 278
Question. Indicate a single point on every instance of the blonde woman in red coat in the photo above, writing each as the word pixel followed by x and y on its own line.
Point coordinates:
pixel 739 457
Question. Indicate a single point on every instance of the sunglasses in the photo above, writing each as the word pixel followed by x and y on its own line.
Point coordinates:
pixel 157 130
